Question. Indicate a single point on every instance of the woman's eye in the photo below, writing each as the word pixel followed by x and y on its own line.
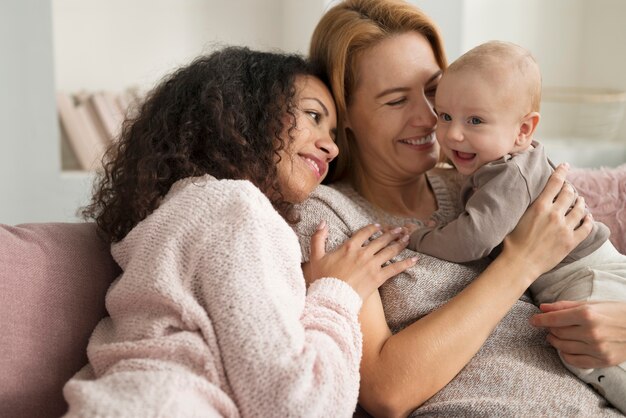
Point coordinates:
pixel 475 121
pixel 397 102
pixel 314 115
pixel 445 117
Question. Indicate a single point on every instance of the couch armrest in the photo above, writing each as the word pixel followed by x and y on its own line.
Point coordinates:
pixel 53 281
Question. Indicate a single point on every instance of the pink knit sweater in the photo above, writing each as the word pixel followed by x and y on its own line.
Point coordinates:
pixel 211 317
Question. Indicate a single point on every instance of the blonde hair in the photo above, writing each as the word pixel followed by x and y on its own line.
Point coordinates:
pixel 342 34
pixel 511 64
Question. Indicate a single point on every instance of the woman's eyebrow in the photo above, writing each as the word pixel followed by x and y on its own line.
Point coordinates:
pixel 392 90
pixel 405 89
pixel 320 103
pixel 434 77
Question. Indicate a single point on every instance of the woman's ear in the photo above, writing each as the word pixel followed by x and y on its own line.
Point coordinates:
pixel 527 129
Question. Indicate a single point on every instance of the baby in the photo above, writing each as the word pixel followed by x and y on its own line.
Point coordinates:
pixel 487 105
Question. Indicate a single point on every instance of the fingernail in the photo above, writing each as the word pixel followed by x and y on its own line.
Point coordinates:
pixel 396 230
pixel 414 259
pixel 321 225
pixel 405 238
pixel 377 225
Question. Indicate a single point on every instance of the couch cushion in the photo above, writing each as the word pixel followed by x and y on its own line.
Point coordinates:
pixel 53 280
pixel 604 190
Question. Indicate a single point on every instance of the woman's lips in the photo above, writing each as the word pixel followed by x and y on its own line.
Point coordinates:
pixel 318 166
pixel 418 142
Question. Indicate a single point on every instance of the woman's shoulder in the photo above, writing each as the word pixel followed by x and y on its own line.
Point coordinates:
pixel 446 183
pixel 197 209
pixel 338 191
pixel 445 175
pixel 217 192
pixel 208 197
pixel 323 199
pixel 339 199
pixel 340 206
pixel 195 205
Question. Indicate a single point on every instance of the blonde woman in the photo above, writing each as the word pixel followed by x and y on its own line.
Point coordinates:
pixel 443 339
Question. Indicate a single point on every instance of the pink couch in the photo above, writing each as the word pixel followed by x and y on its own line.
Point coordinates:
pixel 53 278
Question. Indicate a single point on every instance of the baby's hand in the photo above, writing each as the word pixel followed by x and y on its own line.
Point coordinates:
pixel 390 227
pixel 431 223
pixel 412 227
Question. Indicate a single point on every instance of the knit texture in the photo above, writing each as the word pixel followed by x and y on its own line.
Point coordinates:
pixel 516 373
pixel 211 317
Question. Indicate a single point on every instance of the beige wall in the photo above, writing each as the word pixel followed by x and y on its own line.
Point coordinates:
pixel 113 44
pixel 97 44
pixel 603 61
pixel 577 42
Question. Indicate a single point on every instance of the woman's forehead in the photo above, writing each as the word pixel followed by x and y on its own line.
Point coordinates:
pixel 406 58
pixel 309 86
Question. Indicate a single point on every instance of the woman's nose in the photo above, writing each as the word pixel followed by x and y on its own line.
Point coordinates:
pixel 423 114
pixel 328 146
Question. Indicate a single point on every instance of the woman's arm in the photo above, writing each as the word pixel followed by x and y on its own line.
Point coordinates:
pixel 588 334
pixel 399 372
pixel 285 356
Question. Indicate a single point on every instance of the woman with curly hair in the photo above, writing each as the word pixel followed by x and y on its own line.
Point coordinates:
pixel 211 315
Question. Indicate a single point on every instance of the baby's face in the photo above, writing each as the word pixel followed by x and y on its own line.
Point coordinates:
pixel 477 120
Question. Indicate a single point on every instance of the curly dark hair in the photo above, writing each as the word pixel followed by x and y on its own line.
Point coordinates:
pixel 223 115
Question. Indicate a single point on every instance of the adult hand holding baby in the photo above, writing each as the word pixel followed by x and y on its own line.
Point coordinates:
pixel 588 334
pixel 359 265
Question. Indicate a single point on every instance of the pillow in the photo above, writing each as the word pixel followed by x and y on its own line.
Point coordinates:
pixel 53 281
pixel 604 190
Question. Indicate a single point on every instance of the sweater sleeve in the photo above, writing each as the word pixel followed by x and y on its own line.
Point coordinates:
pixel 285 352
pixel 499 198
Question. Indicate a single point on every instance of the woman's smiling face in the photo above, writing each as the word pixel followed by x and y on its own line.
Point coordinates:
pixel 304 162
pixel 391 111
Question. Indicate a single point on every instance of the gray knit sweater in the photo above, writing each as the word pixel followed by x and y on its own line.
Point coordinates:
pixel 516 373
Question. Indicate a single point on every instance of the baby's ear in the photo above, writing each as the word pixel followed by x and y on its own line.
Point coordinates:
pixel 527 129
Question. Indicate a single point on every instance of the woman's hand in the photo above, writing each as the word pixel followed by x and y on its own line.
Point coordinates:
pixel 359 261
pixel 589 335
pixel 550 228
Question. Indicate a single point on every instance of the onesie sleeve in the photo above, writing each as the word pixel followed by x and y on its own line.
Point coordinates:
pixel 499 197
